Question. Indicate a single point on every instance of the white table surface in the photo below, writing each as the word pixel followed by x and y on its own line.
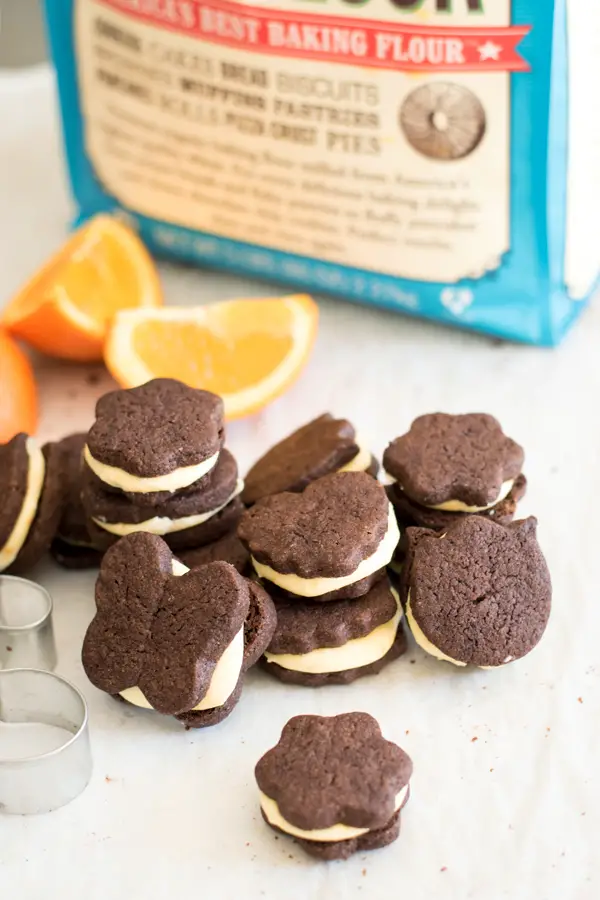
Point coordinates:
pixel 505 794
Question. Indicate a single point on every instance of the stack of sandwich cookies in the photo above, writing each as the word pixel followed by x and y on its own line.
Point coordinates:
pixel 322 447
pixel 322 556
pixel 155 463
pixel 315 644
pixel 449 466
pixel 174 640
pixel 72 546
pixel 335 785
pixel 32 501
pixel 478 593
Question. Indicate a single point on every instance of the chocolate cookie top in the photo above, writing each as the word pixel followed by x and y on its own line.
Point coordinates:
pixel 327 531
pixel 443 457
pixel 303 626
pixel 229 549
pixel 110 507
pixel 480 592
pixel 73 522
pixel 319 448
pixel 156 428
pixel 14 468
pixel 161 633
pixel 334 770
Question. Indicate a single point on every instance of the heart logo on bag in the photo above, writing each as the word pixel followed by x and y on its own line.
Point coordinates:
pixel 457 300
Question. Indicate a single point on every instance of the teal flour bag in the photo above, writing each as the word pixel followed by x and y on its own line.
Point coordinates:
pixel 438 157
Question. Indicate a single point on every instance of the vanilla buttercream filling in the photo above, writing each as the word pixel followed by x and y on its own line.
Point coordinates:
pixel 316 587
pixel 36 472
pixel 353 654
pixel 162 525
pixel 426 645
pixel 359 463
pixel 224 678
pixel 332 834
pixel 172 481
pixel 458 505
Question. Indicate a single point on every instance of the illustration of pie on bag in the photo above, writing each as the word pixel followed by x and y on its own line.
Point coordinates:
pixel 443 121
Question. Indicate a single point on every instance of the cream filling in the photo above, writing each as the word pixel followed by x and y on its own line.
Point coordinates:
pixel 332 834
pixel 36 472
pixel 162 525
pixel 426 645
pixel 173 481
pixel 458 505
pixel 361 462
pixel 352 655
pixel 225 676
pixel 315 587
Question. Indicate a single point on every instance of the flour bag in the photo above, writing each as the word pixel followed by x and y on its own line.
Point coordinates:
pixel 438 157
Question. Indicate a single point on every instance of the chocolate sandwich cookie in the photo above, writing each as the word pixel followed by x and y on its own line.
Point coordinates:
pixel 316 644
pixel 159 438
pixel 331 542
pixel 447 465
pixel 171 639
pixel 32 501
pixel 477 594
pixel 184 520
pixel 334 784
pixel 72 547
pixel 321 447
pixel 229 549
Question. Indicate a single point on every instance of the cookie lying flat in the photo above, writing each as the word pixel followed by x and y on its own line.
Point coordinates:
pixel 160 437
pixel 184 520
pixel 479 593
pixel 334 784
pixel 32 501
pixel 321 447
pixel 455 463
pixel 335 643
pixel 330 542
pixel 229 549
pixel 72 547
pixel 171 639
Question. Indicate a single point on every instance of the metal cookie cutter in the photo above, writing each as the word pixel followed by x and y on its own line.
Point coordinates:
pixel 26 633
pixel 45 758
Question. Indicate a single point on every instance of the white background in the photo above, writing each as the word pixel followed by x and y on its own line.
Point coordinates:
pixel 514 814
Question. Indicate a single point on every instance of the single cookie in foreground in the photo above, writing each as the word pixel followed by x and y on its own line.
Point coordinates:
pixel 170 639
pixel 478 594
pixel 32 501
pixel 334 784
pixel 321 447
pixel 161 437
pixel 455 463
pixel 72 547
pixel 316 644
pixel 329 543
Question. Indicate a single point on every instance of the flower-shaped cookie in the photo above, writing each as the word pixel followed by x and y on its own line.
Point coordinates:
pixel 323 542
pixel 333 782
pixel 173 639
pixel 163 428
pixel 455 463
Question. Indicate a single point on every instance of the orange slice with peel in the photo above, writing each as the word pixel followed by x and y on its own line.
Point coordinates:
pixel 18 394
pixel 248 351
pixel 66 308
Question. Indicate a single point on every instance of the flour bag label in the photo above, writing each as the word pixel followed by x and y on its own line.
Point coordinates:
pixel 438 157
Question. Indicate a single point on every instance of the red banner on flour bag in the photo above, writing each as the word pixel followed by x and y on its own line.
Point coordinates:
pixel 369 43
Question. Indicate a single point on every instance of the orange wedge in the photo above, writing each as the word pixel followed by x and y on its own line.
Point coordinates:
pixel 66 308
pixel 248 351
pixel 18 395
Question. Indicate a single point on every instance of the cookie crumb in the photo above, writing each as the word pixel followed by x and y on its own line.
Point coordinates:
pixel 93 378
pixel 108 779
pixel 547 728
pixel 491 770
pixel 364 872
pixel 580 699
pixel 444 869
pixel 473 739
pixel 407 731
pixel 247 843
pixel 9 649
pixel 412 662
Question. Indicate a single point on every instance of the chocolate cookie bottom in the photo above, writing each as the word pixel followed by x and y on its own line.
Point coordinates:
pixel 350 592
pixel 290 676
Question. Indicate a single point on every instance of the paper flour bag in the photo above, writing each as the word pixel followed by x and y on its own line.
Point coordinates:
pixel 439 157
